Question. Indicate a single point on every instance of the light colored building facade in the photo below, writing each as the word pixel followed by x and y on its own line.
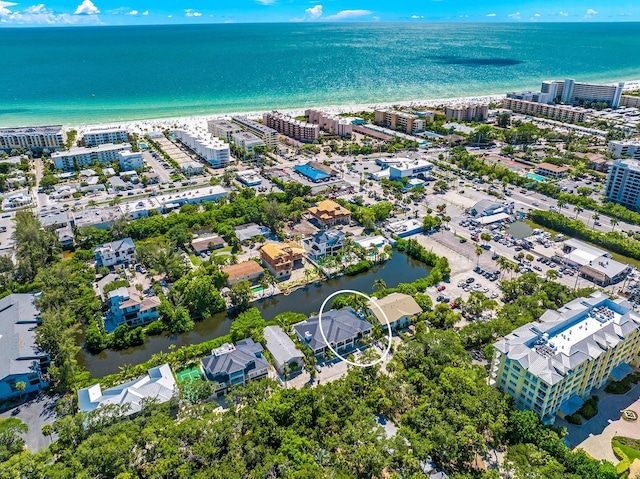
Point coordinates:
pixel 131 307
pixel 235 365
pixel 34 138
pixel 332 124
pixel 534 96
pixel 115 253
pixel 409 169
pixel 223 129
pixel 158 385
pixel 286 357
pixel 623 183
pixel 268 135
pixel 398 308
pixel 280 258
pixel 330 213
pixel 553 365
pixel 324 243
pixel 552 171
pixel 593 263
pixel 246 141
pixel 213 150
pixel 105 135
pixel 78 157
pixel 130 160
pixel 630 101
pixel 246 271
pixel 21 360
pixel 398 120
pixel 563 113
pixel 619 148
pixel 289 126
pixel 571 92
pixel 467 112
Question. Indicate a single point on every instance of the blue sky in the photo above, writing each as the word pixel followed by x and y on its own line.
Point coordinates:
pixel 132 12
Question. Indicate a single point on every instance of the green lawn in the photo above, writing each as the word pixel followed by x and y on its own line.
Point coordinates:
pixel 631 452
pixel 196 260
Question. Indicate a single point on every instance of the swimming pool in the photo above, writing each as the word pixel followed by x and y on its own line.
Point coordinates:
pixel 536 177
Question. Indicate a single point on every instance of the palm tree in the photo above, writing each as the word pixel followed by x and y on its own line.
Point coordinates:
pixel 552 274
pixel 595 217
pixel 578 210
pixel 21 386
pixel 562 203
pixel 479 251
pixel 379 284
pixel 614 222
pixel 47 430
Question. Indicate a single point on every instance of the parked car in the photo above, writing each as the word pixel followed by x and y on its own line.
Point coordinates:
pixel 470 280
pixel 442 287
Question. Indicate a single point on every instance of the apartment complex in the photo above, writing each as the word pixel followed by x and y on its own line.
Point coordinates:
pixel 223 129
pixel 78 156
pixel 246 141
pixel 34 138
pixel 553 365
pixel 567 114
pixel 630 101
pixel 332 124
pixel 130 160
pixel 280 258
pixel 289 126
pixel 268 135
pixel 625 148
pixel 398 120
pixel 552 171
pixel 105 135
pixel 571 92
pixel 467 112
pixel 534 96
pixel 623 183
pixel 213 150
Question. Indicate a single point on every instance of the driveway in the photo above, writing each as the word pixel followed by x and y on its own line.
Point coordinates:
pixel 594 436
pixel 35 413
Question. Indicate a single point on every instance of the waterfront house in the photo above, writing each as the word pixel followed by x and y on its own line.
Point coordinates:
pixel 131 307
pixel 399 309
pixel 330 213
pixel 280 258
pixel 246 271
pixel 342 328
pixel 158 385
pixel 21 360
pixel 235 365
pixel 283 351
pixel 324 243
pixel 115 253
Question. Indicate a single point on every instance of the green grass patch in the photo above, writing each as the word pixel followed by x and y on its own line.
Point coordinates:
pixel 624 385
pixel 196 260
pixel 630 447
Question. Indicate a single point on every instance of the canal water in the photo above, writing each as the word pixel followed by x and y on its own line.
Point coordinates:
pixel 399 269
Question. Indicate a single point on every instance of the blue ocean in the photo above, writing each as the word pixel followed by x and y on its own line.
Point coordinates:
pixel 104 74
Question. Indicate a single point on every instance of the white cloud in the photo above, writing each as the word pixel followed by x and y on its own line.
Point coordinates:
pixel 133 12
pixel 563 14
pixel 86 8
pixel 536 14
pixel 464 16
pixel 349 14
pixel 4 11
pixel 169 16
pixel 265 2
pixel 491 14
pixel 591 12
pixel 415 17
pixel 36 9
pixel 514 15
pixel 40 15
pixel 145 13
pixel 314 12
pixel 189 12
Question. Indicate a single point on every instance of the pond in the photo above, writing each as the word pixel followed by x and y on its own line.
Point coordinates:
pixel 520 229
pixel 399 269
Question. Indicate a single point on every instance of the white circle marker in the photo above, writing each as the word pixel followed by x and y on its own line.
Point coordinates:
pixel 353 363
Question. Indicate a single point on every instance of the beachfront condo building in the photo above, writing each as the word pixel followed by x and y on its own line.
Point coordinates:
pixel 130 160
pixel 223 129
pixel 623 183
pixel 79 156
pixel 563 113
pixel 102 136
pixel 619 148
pixel 213 150
pixel 332 124
pixel 289 126
pixel 630 101
pixel 246 141
pixel 551 366
pixel 467 112
pixel 398 120
pixel 267 134
pixel 33 138
pixel 571 92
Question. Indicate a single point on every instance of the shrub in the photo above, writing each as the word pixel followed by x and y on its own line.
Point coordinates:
pixel 590 408
pixel 624 464
pixel 574 419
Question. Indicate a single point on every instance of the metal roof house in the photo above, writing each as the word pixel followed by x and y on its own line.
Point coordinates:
pixel 283 350
pixel 342 328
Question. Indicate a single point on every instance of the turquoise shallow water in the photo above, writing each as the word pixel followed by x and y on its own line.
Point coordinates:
pixel 101 74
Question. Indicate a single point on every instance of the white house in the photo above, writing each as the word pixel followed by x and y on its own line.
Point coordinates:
pixel 117 252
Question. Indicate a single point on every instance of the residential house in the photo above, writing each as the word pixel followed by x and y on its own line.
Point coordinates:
pixel 206 243
pixel 131 307
pixel 115 253
pixel 65 237
pixel 235 365
pixel 100 284
pixel 330 213
pixel 247 232
pixel 159 385
pixel 286 357
pixel 342 328
pixel 21 360
pixel 397 307
pixel 246 271
pixel 324 243
pixel 280 258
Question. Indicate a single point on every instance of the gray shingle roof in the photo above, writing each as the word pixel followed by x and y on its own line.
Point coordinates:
pixel 236 360
pixel 338 325
pixel 280 345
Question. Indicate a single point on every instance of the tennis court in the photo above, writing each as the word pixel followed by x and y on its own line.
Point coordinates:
pixel 189 373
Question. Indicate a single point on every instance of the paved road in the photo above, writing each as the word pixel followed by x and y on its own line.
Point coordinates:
pixel 35 413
